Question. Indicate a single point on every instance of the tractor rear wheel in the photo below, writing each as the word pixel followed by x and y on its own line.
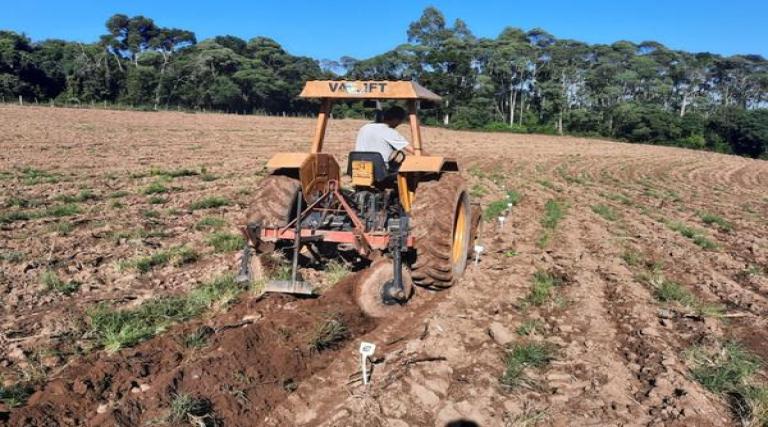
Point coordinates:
pixel 441 220
pixel 274 205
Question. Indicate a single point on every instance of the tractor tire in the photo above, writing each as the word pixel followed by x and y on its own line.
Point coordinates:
pixel 274 205
pixel 441 222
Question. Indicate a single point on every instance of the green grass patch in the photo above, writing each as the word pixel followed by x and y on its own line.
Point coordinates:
pixel 605 211
pixel 156 187
pixel 668 291
pixel 14 216
pixel 529 327
pixel 732 372
pixel 329 333
pixel 632 257
pixel 225 242
pixel 198 338
pixel 82 196
pixel 32 176
pixel 188 410
pixel 712 219
pixel 157 200
pixel 209 203
pixel 618 197
pixel 118 194
pixel 184 255
pixel 15 395
pixel 51 281
pixel 63 228
pixel 150 213
pixel 542 286
pixel 116 329
pixel 671 292
pixel 19 202
pixel 495 209
pixel 12 256
pixel 59 211
pixel 521 356
pixel 179 255
pixel 478 190
pixel 210 223
pixel 695 235
pixel 554 212
pixel 498 208
pixel 514 197
pixel 173 173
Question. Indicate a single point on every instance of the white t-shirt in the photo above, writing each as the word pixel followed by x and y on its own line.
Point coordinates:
pixel 381 138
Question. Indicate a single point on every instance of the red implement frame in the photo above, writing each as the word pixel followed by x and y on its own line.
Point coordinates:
pixel 363 242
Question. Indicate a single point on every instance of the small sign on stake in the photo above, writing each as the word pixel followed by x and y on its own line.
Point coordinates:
pixel 366 350
pixel 478 250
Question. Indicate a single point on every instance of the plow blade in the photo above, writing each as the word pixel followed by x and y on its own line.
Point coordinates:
pixel 290 287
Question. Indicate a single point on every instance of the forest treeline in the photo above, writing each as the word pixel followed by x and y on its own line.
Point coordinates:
pixel 522 81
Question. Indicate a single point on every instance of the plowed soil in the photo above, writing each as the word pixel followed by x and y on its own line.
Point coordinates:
pixel 631 214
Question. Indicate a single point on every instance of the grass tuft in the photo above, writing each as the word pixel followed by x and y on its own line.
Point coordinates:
pixel 180 255
pixel 541 288
pixel 210 223
pixel 60 211
pixel 186 409
pixel 199 338
pixel 695 235
pixel 529 327
pixel 15 395
pixel 710 219
pixel 329 333
pixel 209 203
pixel 32 176
pixel 732 372
pixel 51 281
pixel 225 242
pixel 12 256
pixel 156 187
pixel 605 211
pixel 522 356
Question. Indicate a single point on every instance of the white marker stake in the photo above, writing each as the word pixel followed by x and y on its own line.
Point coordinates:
pixel 366 350
pixel 501 222
pixel 509 208
pixel 478 250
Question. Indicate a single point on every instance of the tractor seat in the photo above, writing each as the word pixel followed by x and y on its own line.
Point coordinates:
pixel 368 168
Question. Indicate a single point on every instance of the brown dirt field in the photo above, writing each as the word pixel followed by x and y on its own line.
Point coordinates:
pixel 620 354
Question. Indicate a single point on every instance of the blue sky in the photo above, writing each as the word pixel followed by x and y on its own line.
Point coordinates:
pixel 330 29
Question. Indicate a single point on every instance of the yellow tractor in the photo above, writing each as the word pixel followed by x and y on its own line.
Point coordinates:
pixel 408 219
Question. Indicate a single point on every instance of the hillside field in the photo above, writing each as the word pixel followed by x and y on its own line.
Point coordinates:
pixel 628 285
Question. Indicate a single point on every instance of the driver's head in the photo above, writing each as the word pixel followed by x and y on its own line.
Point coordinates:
pixel 394 116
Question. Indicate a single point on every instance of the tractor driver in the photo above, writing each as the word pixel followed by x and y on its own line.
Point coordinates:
pixel 382 137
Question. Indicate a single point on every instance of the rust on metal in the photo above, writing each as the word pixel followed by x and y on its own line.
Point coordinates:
pixel 376 241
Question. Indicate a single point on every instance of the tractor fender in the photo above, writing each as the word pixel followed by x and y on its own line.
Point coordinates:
pixel 428 164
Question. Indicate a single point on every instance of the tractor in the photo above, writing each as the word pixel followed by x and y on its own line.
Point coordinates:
pixel 407 219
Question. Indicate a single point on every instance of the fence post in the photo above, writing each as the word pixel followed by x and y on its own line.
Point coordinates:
pixel 51 102
pixel 21 101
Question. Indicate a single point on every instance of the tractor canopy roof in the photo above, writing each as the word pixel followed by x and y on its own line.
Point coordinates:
pixel 368 89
